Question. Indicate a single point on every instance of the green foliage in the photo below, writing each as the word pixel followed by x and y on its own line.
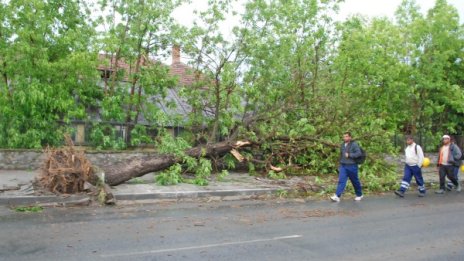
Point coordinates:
pixel 172 176
pixel 33 209
pixel 105 137
pixel 217 61
pixel 224 173
pixel 201 167
pixel 363 86
pixel 229 161
pixel 379 177
pixel 288 78
pixel 276 175
pixel 139 136
pixel 203 172
pixel 137 181
pixel 433 50
pixel 136 33
pixel 172 145
pixel 48 74
pixel 251 168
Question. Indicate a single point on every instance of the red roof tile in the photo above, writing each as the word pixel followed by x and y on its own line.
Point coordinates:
pixel 185 73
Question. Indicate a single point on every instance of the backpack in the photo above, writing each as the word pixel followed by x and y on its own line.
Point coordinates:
pixel 457 162
pixel 361 159
pixel 462 154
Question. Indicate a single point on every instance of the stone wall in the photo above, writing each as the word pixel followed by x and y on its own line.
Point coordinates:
pixel 33 159
pixel 21 159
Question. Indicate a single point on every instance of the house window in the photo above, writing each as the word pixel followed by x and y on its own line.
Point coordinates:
pixel 80 134
pixel 106 73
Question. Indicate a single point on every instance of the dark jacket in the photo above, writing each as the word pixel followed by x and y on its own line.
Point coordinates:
pixel 455 154
pixel 354 152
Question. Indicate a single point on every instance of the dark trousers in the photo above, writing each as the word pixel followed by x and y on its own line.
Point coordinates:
pixel 456 175
pixel 447 171
pixel 348 172
pixel 409 172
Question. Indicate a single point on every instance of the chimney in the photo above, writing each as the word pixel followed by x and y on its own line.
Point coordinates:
pixel 175 54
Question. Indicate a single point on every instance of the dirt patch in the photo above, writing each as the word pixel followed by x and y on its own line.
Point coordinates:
pixel 288 213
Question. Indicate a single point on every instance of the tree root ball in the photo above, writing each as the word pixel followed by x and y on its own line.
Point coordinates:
pixel 65 170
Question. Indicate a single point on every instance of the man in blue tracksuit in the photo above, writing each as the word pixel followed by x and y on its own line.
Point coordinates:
pixel 414 157
pixel 348 169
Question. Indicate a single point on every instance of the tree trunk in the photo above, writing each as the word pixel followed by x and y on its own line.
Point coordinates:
pixel 120 173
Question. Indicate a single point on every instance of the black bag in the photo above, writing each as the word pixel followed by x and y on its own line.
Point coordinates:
pixel 462 155
pixel 362 158
pixel 458 161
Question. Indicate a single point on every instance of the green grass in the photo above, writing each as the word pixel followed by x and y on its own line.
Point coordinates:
pixel 29 209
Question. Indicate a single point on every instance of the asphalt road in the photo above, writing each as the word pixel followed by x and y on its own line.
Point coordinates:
pixel 378 228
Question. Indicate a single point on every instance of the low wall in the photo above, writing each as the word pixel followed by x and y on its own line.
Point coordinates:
pixel 33 159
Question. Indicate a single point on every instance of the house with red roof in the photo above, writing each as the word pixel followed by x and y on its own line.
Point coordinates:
pixel 113 69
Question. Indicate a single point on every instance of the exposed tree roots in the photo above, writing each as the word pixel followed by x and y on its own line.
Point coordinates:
pixel 68 171
pixel 65 170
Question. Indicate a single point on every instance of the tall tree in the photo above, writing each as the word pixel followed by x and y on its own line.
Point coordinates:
pixel 215 60
pixel 137 32
pixel 434 50
pixel 288 44
pixel 287 81
pixel 46 69
pixel 371 78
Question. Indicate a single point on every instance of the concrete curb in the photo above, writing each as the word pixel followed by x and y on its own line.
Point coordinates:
pixel 197 194
pixel 72 200
pixel 44 200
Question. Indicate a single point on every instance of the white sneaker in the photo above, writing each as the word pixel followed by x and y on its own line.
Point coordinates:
pixel 358 198
pixel 335 198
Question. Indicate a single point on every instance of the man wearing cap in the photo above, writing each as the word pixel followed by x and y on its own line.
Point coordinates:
pixel 450 186
pixel 414 157
pixel 448 158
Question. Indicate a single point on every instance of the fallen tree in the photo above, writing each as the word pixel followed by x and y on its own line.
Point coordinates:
pixel 67 170
pixel 120 173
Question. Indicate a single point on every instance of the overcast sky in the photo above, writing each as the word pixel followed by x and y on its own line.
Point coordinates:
pixel 388 7
pixel 369 8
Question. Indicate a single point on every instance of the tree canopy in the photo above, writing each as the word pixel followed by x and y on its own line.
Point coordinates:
pixel 289 77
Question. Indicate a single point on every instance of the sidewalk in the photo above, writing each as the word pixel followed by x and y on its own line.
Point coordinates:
pixel 16 189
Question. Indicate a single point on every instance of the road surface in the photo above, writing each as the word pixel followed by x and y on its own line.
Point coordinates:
pixel 377 228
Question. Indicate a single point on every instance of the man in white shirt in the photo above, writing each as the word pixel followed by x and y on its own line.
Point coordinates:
pixel 414 157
